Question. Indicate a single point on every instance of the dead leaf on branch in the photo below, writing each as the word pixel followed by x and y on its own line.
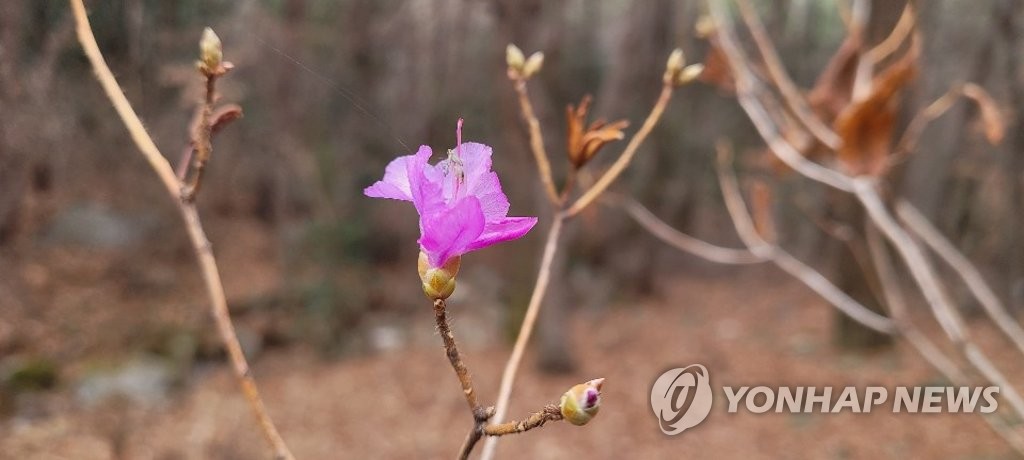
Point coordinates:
pixel 866 127
pixel 583 144
pixel 992 122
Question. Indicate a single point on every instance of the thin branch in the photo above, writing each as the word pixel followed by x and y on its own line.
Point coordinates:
pixel 508 377
pixel 203 147
pixel 924 274
pixel 536 141
pixel 919 225
pixel 680 240
pixel 925 347
pixel 896 38
pixel 791 95
pixel 938 107
pixel 117 98
pixel 627 155
pixel 812 278
pixel 201 245
pixel 480 414
pixel 748 89
pixel 452 351
pixel 898 308
pixel 550 413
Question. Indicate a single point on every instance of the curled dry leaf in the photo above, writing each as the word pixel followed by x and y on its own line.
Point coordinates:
pixel 223 116
pixel 866 127
pixel 833 89
pixel 583 144
pixel 991 117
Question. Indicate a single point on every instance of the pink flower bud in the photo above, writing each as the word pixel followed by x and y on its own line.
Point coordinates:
pixel 581 402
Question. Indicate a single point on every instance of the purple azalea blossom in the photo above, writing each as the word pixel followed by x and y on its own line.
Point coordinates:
pixel 459 200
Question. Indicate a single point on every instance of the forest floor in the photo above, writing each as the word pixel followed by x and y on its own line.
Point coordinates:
pixel 755 328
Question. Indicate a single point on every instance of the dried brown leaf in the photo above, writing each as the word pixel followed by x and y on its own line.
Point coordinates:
pixel 866 127
pixel 992 120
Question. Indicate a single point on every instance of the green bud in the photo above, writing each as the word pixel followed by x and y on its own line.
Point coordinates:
pixel 689 73
pixel 211 54
pixel 533 64
pixel 514 58
pixel 438 282
pixel 674 65
pixel 581 403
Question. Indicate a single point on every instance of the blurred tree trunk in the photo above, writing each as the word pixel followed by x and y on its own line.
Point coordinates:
pixel 1009 18
pixel 12 174
pixel 852 276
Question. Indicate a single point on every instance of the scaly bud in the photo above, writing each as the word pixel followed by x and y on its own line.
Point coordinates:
pixel 581 402
pixel 438 282
pixel 533 64
pixel 211 55
pixel 515 60
pixel 705 26
pixel 689 73
pixel 675 64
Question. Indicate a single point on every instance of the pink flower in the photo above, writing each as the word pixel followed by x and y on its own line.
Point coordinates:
pixel 459 200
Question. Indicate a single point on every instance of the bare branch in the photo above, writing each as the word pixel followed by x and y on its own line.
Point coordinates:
pixel 536 140
pixel 201 246
pixel 549 413
pixel 792 96
pixel 680 240
pixel 919 225
pixel 924 274
pixel 810 277
pixel 925 347
pixel 748 91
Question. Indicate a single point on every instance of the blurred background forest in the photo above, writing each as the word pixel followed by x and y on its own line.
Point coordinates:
pixel 106 346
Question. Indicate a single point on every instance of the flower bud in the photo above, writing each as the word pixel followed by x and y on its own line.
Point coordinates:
pixel 705 26
pixel 674 65
pixel 581 402
pixel 438 282
pixel 211 54
pixel 533 64
pixel 689 73
pixel 514 58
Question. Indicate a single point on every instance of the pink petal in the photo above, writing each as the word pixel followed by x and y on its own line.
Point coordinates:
pixel 506 229
pixel 423 184
pixel 450 232
pixel 477 180
pixel 395 184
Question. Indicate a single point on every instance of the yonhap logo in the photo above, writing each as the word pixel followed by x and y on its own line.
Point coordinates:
pixel 681 398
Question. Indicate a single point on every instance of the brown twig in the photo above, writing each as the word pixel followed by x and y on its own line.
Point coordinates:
pixel 919 225
pixel 203 145
pixel 201 246
pixel 452 351
pixel 776 70
pixel 480 414
pixel 748 93
pixel 925 347
pixel 627 155
pixel 680 240
pixel 536 141
pixel 747 232
pixel 550 413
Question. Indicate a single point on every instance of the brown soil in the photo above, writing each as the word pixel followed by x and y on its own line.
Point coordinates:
pixel 757 329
